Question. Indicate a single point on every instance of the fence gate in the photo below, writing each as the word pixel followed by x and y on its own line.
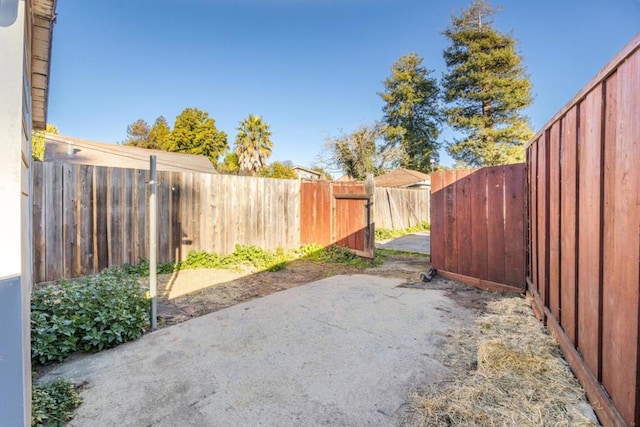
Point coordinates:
pixel 478 226
pixel 339 213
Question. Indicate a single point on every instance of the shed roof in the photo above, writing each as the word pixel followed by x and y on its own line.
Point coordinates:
pixel 402 178
pixel 87 152
pixel 43 16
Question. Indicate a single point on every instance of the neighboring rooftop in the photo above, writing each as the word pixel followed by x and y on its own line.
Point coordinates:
pixel 304 173
pixel 66 149
pixel 403 178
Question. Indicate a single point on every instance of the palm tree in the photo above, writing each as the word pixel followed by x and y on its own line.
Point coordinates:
pixel 253 144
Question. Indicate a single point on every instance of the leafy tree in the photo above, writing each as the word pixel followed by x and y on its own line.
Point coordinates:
pixel 278 170
pixel 137 134
pixel 362 152
pixel 38 142
pixel 158 133
pixel 230 164
pixel 486 86
pixel 253 144
pixel 194 132
pixel 324 175
pixel 411 112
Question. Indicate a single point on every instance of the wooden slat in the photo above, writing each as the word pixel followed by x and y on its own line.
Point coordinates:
pixel 142 223
pixel 101 220
pixel 464 215
pixel 437 219
pixel 479 227
pixel 39 223
pixel 534 213
pixel 70 220
pixel 85 260
pixel 568 197
pixel 495 224
pixel 514 219
pixel 115 216
pixel 622 224
pixel 450 242
pixel 543 215
pixel 554 221
pixel 590 235
pixel 128 217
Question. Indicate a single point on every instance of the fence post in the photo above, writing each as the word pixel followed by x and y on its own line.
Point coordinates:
pixel 153 244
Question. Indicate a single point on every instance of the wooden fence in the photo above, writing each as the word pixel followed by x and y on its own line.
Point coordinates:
pixel 86 218
pixel 400 208
pixel 584 235
pixel 477 229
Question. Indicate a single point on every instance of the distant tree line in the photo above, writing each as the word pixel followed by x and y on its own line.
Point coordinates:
pixel 481 96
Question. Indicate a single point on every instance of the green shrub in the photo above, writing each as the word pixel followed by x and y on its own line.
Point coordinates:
pixel 87 314
pixel 53 403
pixel 142 269
pixel 243 256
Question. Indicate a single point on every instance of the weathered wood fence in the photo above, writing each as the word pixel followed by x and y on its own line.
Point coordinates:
pixel 400 208
pixel 86 218
pixel 584 243
pixel 477 229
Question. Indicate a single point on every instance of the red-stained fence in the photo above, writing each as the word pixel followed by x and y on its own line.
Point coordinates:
pixel 477 226
pixel 583 172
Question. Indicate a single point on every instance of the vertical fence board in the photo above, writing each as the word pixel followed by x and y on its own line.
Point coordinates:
pixel 450 243
pixel 589 246
pixel 554 223
pixel 85 261
pixel 142 223
pixel 543 214
pixel 39 223
pixel 568 214
pixel 533 214
pixel 479 240
pixel 620 310
pixel 495 223
pixel 514 215
pixel 463 222
pixel 70 219
pixel 101 224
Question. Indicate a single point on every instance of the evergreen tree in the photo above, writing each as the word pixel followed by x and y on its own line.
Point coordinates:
pixel 253 144
pixel 278 170
pixel 230 165
pixel 486 87
pixel 411 112
pixel 137 134
pixel 194 132
pixel 158 134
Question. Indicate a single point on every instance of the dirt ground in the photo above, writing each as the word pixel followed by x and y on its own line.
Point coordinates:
pixel 191 293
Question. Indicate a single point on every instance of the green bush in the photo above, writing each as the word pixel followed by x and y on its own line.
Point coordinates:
pixel 142 269
pixel 243 256
pixel 87 314
pixel 52 404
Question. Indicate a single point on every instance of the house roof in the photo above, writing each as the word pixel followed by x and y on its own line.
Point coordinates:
pixel 87 152
pixel 402 178
pixel 43 16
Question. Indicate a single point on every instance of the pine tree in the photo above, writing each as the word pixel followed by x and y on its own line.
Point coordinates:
pixel 253 144
pixel 158 133
pixel 486 87
pixel 137 134
pixel 411 112
pixel 194 132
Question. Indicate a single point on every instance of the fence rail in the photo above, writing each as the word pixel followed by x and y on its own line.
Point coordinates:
pixel 583 171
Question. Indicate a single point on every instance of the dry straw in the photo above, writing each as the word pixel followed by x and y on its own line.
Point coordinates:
pixel 507 371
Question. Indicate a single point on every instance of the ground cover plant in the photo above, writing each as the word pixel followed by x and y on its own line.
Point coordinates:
pixel 52 404
pixel 87 314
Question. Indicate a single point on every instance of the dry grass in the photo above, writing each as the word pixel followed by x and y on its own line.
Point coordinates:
pixel 507 372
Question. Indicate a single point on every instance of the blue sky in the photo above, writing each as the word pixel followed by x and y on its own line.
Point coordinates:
pixel 311 68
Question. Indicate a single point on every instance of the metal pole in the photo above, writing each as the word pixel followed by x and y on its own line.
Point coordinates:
pixel 153 244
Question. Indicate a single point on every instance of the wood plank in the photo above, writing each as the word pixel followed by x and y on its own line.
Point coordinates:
pixel 514 219
pixel 70 220
pixel 554 221
pixel 543 218
pixel 487 285
pixel 464 223
pixel 85 260
pixel 533 214
pixel 437 219
pixel 101 224
pixel 450 242
pixel 568 222
pixel 172 233
pixel 39 222
pixel 622 275
pixel 590 226
pixel 495 224
pixel 115 216
pixel 479 227
pixel 128 217
pixel 142 223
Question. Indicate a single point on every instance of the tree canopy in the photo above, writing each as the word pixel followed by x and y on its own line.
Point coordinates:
pixel 253 144
pixel 138 134
pixel 486 87
pixel 411 112
pixel 278 170
pixel 38 142
pixel 158 134
pixel 194 132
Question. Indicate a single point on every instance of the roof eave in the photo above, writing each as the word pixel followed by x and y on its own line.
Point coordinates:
pixel 43 16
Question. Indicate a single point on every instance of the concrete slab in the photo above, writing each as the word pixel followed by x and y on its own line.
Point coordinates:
pixel 346 350
pixel 419 242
